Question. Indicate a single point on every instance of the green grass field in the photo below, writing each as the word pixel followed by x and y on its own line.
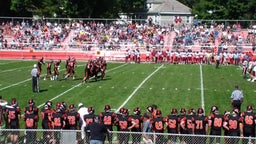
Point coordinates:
pixel 130 85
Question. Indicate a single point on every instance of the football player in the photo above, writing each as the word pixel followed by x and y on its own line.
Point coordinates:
pixel 108 118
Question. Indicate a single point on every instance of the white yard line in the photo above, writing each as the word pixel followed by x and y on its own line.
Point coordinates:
pixel 202 86
pixel 25 81
pixel 9 70
pixel 77 86
pixel 138 88
pixel 4 63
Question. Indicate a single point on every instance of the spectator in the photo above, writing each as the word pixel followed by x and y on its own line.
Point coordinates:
pixel 237 98
pixel 147 128
pixel 97 131
pixel 82 110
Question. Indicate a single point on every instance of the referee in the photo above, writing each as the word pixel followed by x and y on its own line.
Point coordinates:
pixel 35 79
pixel 237 98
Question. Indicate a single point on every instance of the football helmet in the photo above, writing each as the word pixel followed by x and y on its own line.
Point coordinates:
pixel 125 111
pixel 174 111
pixel 121 110
pixel 226 112
pixel 236 111
pixel 183 111
pixel 191 111
pixel 158 112
pixel 31 102
pixel 14 102
pixel 214 109
pixel 249 108
pixel 107 108
pixel 90 110
pixel 150 109
pixel 200 111
pixel 136 110
pixel 71 106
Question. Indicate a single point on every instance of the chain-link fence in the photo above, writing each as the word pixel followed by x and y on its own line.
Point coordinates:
pixel 39 136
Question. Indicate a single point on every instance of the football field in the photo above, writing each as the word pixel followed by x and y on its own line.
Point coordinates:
pixel 130 85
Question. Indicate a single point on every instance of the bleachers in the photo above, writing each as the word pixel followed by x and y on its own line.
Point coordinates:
pixel 102 38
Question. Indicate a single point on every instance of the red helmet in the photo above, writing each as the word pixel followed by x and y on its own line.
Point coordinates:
pixel 90 110
pixel 14 102
pixel 121 110
pixel 125 111
pixel 200 111
pixel 71 106
pixel 174 111
pixel 31 102
pixel 158 112
pixel 136 110
pixel 107 107
pixel 48 103
pixel 249 108
pixel 58 105
pixel 191 111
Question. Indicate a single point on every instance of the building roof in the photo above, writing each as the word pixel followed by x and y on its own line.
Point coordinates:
pixel 168 6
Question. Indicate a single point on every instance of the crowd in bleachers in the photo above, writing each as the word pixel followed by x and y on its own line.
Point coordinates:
pixel 208 36
pixel 37 35
pixel 43 35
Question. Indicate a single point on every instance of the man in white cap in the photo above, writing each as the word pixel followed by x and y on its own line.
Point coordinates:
pixel 82 110
pixel 35 79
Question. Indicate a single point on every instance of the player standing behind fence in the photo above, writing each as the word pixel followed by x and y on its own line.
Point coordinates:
pixel 137 121
pixel 31 120
pixel 89 118
pixel 35 79
pixel 187 125
pixel 13 116
pixel 182 127
pixel 46 115
pixel 234 126
pixel 158 126
pixel 58 122
pixel 215 121
pixel 108 119
pixel 201 126
pixel 249 122
pixel 72 118
pixel 172 125
pixel 122 123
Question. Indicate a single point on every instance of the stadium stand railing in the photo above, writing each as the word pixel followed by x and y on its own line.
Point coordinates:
pixel 40 136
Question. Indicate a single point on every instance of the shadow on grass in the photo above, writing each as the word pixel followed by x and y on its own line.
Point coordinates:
pixel 43 90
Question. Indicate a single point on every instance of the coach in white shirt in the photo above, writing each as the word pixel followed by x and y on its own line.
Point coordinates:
pixel 82 110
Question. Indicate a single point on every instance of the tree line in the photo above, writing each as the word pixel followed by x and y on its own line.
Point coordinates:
pixel 204 9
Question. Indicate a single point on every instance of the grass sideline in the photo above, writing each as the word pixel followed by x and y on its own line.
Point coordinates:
pixel 165 85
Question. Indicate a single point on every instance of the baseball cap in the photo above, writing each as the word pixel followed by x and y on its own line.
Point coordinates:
pixel 80 104
pixel 35 65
